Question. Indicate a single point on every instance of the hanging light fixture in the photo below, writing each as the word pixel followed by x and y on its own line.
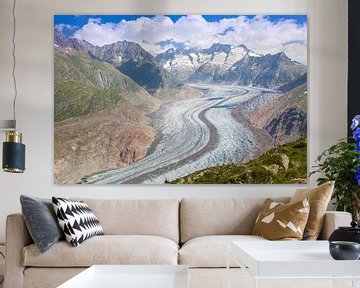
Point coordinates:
pixel 13 149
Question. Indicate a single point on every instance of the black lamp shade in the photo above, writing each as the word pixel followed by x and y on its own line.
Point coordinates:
pixel 13 157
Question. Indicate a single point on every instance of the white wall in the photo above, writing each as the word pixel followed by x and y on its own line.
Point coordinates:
pixel 327 22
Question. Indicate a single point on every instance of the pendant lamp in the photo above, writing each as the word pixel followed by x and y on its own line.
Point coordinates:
pixel 13 160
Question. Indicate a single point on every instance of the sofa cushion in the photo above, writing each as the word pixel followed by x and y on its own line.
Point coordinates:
pixel 279 221
pixel 201 217
pixel 76 220
pixel 211 251
pixel 319 198
pixel 158 217
pixel 107 249
pixel 41 221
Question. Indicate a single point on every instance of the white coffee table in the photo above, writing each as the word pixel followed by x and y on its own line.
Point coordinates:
pixel 131 276
pixel 292 260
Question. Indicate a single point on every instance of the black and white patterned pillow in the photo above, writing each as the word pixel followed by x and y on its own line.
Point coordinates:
pixel 77 220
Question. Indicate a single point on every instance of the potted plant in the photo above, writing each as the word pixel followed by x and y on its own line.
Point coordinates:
pixel 341 163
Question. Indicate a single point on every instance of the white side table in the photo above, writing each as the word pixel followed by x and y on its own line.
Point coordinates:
pixel 131 276
pixel 294 262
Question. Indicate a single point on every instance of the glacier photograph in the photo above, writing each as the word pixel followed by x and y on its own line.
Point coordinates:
pixel 180 99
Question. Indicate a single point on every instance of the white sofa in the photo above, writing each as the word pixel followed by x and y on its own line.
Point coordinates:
pixel 190 231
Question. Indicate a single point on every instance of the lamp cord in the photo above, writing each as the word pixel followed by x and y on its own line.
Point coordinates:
pixel 14 61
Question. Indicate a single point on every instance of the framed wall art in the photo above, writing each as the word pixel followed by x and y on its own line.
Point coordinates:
pixel 182 99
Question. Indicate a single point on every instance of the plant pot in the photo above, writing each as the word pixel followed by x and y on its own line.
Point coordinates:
pixel 343 250
pixel 351 233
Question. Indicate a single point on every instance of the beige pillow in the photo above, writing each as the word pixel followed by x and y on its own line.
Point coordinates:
pixel 279 221
pixel 319 198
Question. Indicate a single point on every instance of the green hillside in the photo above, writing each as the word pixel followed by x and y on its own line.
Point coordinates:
pixel 83 85
pixel 285 164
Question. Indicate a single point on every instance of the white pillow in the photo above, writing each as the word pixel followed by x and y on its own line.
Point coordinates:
pixel 76 220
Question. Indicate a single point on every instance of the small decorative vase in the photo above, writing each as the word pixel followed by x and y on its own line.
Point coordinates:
pixel 351 233
pixel 343 250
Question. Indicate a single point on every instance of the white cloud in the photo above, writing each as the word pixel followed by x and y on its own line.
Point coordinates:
pixel 61 27
pixel 296 51
pixel 258 33
pixel 94 20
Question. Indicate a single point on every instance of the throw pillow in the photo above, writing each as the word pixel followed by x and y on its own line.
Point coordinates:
pixel 279 221
pixel 77 220
pixel 319 198
pixel 41 222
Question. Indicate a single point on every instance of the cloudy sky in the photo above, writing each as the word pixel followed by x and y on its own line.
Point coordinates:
pixel 261 33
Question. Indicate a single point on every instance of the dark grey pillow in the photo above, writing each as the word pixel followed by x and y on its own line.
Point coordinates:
pixel 41 221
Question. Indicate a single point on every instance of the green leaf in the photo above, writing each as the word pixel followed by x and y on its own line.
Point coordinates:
pixel 339 163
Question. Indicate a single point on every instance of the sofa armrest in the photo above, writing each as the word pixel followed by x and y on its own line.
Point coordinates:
pixel 17 237
pixel 333 220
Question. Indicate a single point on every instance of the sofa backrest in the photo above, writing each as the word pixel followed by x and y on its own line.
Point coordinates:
pixel 200 217
pixel 159 217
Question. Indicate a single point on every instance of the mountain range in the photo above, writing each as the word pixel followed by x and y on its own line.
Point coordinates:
pixel 218 64
pixel 128 57
pixel 235 65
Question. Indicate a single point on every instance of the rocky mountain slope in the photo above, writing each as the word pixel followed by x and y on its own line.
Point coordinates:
pixel 269 71
pixel 282 116
pixel 103 140
pixel 100 116
pixel 83 85
pixel 284 164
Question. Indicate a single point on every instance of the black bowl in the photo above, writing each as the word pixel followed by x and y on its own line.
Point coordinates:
pixel 344 250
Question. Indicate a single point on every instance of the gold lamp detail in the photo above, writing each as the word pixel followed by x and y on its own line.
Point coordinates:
pixel 13 149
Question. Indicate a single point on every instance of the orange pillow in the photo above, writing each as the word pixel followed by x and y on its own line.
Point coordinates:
pixel 319 198
pixel 279 221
